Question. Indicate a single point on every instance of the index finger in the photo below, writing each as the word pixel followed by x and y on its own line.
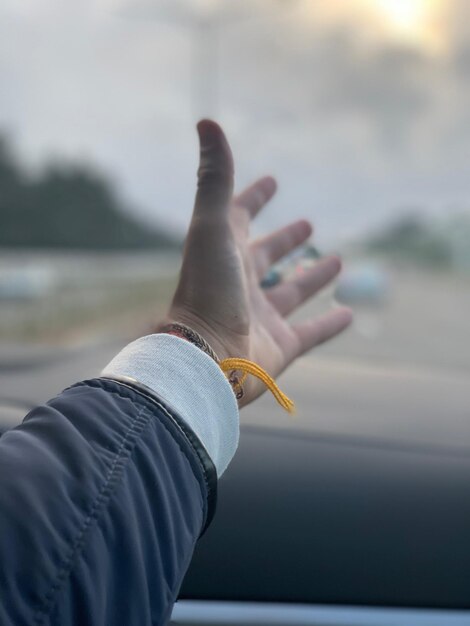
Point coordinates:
pixel 254 197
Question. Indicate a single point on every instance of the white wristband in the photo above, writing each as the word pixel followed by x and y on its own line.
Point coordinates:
pixel 189 382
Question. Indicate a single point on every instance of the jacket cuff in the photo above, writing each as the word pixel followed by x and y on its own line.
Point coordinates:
pixel 190 383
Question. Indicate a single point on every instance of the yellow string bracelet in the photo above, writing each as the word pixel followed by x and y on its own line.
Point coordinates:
pixel 231 366
pixel 248 367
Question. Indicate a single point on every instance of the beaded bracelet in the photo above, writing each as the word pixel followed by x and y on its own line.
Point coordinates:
pixel 184 332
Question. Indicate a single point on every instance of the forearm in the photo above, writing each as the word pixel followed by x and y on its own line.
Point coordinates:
pixel 103 493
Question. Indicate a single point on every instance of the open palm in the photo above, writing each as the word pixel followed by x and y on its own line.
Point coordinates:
pixel 219 293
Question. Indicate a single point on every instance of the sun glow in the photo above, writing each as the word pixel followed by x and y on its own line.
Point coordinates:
pixel 405 15
pixel 415 23
pixel 412 20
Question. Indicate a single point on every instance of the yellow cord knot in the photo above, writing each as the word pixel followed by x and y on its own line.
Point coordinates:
pixel 248 367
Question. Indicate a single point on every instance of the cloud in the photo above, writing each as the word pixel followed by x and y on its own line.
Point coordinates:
pixel 354 124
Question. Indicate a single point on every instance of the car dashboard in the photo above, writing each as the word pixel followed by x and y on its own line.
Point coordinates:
pixel 328 529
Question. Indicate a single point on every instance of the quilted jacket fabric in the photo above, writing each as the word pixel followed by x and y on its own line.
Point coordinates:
pixel 104 492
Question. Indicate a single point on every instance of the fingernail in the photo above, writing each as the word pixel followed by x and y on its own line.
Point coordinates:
pixel 208 131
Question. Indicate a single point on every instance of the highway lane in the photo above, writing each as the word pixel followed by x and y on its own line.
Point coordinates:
pixel 335 396
pixel 402 372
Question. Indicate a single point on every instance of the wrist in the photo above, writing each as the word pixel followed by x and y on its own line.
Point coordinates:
pixel 193 335
pixel 218 349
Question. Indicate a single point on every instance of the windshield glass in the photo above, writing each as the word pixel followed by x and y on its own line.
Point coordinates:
pixel 360 111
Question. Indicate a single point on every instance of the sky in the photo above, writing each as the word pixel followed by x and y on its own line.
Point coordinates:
pixel 360 108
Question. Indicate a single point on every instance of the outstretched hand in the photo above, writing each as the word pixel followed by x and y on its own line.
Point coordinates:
pixel 219 294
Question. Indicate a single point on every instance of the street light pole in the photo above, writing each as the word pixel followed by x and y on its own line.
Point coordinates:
pixel 205 67
pixel 205 20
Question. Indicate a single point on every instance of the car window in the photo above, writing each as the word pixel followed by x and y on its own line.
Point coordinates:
pixel 359 109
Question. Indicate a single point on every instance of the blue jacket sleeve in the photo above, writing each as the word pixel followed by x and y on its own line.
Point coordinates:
pixel 103 494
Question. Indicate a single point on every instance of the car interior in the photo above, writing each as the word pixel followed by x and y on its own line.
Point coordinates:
pixel 355 511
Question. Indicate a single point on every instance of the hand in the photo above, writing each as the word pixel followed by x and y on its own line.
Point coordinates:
pixel 219 294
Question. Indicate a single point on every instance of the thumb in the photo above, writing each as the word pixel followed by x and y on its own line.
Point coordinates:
pixel 215 173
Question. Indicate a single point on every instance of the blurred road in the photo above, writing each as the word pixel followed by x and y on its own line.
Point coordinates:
pixel 424 322
pixel 402 374
pixel 333 396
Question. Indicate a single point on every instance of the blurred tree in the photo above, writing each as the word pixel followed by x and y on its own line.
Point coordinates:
pixel 69 206
pixel 411 238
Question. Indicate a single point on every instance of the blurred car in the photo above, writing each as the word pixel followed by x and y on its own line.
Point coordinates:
pixel 28 283
pixel 363 284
